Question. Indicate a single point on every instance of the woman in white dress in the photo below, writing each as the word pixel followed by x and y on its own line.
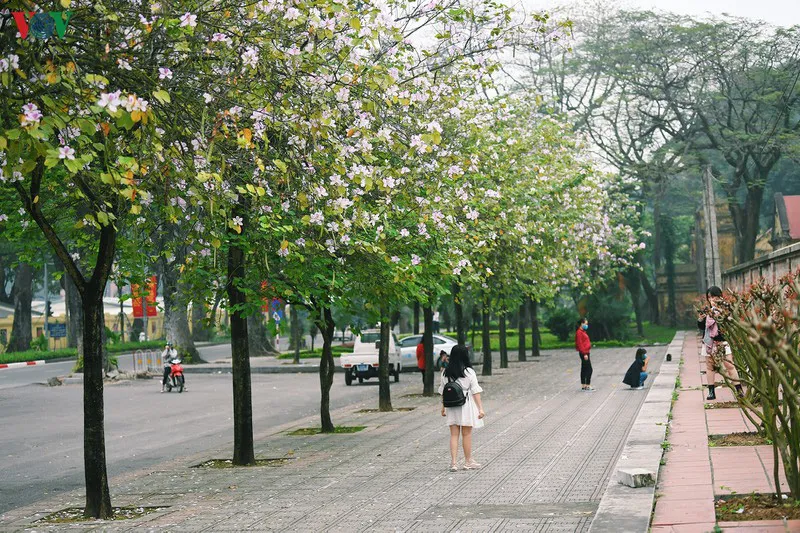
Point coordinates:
pixel 465 417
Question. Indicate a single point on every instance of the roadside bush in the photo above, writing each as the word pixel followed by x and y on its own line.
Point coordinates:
pixel 561 322
pixel 39 344
pixel 762 327
pixel 609 317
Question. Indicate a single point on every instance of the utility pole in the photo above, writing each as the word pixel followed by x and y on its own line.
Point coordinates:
pixel 46 307
pixel 712 264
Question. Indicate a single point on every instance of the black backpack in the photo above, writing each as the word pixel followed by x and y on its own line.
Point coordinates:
pixel 453 395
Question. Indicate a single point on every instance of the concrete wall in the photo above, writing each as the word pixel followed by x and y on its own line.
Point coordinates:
pixel 771 267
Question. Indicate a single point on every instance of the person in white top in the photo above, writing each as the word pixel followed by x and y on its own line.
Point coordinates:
pixel 465 417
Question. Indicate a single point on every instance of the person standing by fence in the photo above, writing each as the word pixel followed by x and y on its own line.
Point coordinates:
pixel 718 353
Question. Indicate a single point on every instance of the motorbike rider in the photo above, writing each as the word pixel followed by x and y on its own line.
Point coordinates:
pixel 167 356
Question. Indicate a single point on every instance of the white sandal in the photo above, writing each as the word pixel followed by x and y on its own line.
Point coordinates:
pixel 472 465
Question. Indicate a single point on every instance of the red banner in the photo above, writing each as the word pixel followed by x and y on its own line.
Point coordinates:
pixel 138 305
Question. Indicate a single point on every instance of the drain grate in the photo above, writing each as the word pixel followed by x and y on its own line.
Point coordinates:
pixel 527 511
pixel 228 463
pixel 395 410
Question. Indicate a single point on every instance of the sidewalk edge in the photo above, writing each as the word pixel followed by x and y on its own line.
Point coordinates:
pixel 625 509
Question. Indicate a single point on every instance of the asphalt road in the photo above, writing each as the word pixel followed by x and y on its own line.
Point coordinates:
pixel 15 377
pixel 41 442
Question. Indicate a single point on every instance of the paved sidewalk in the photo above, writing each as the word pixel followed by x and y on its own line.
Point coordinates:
pixel 548 450
pixel 695 474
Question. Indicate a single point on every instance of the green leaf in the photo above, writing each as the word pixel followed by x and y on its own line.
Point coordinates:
pixel 162 96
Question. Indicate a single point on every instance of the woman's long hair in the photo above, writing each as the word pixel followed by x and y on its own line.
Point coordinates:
pixel 459 362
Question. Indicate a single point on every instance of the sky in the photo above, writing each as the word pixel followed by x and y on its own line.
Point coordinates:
pixel 778 12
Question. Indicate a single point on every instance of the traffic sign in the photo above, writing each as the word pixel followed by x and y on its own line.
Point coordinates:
pixel 57 331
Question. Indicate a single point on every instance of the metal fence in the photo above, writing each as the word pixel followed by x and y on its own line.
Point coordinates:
pixel 147 361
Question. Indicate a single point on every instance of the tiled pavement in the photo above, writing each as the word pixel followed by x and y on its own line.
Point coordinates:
pixel 695 473
pixel 547 449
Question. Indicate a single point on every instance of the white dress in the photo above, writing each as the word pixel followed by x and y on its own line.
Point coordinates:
pixel 467 414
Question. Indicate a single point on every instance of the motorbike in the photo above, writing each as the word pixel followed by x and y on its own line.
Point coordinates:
pixel 176 380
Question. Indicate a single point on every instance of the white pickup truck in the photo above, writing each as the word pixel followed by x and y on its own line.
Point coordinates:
pixel 362 363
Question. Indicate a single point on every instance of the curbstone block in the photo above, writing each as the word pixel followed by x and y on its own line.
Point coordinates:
pixel 636 477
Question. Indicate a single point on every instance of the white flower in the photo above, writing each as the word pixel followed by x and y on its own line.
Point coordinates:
pixel 415 259
pixel 404 232
pixel 65 152
pixel 31 115
pixel 237 221
pixel 207 97
pixel 300 242
pixel 292 14
pixel 123 64
pixel 3 65
pixel 13 60
pixel 250 57
pixel 283 252
pixel 189 20
pixel 395 259
pixel 472 214
pixel 164 73
pixel 317 218
pixel 110 101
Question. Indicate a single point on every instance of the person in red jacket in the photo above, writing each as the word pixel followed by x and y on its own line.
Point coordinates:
pixel 584 346
pixel 421 359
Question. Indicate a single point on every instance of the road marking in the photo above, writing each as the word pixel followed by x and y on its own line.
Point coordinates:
pixel 20 365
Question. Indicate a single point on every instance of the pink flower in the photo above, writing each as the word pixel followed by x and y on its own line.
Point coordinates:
pixel 189 20
pixel 164 73
pixel 65 152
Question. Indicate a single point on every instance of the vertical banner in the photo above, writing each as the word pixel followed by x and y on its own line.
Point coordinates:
pixel 150 299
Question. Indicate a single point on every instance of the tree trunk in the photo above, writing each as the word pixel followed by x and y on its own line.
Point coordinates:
pixel 427 343
pixel 98 497
pixel 652 298
pixel 295 317
pixel 21 337
pixel 326 369
pixel 243 453
pixel 536 335
pixel 384 394
pixel 487 341
pixel 74 315
pixel 503 340
pixel 200 331
pixel 416 318
pixel 4 297
pixel 746 221
pixel 521 325
pixel 258 336
pixel 312 331
pixel 176 313
pixel 634 287
pixel 668 238
pixel 461 331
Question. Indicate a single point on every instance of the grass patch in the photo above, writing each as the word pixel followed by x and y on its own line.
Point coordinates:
pixel 228 463
pixel 738 439
pixel 395 410
pixel 35 355
pixel 756 507
pixel 722 405
pixel 303 432
pixel 75 514
pixel 653 334
pixel 316 353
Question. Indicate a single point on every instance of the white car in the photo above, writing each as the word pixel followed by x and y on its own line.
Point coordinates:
pixel 362 363
pixel 408 349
